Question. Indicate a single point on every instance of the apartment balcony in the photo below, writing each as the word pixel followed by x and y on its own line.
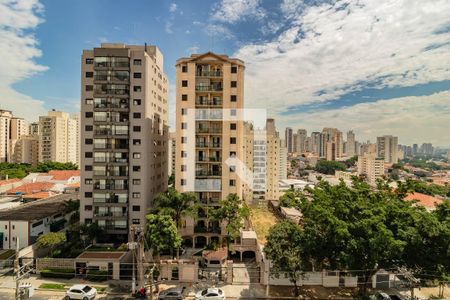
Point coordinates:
pixel 209 88
pixel 206 130
pixel 205 103
pixel 208 185
pixel 103 146
pixel 208 159
pixel 112 92
pixel 111 106
pixel 208 145
pixel 208 74
pixel 112 78
pixel 202 229
pixel 209 200
pixel 109 214
pixel 111 187
pixel 110 64
pixel 203 173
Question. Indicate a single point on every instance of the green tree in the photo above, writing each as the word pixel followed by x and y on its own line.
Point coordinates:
pixel 171 181
pixel 161 233
pixel 51 240
pixel 291 198
pixel 351 162
pixel 284 250
pixel 175 204
pixel 234 212
pixel 329 167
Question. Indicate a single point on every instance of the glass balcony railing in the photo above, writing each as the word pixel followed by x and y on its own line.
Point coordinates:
pixel 201 173
pixel 208 130
pixel 209 74
pixel 209 88
pixel 199 102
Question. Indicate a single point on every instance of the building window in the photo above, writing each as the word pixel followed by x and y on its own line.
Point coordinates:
pixel 232 140
pixel 136 181
pixel 232 168
pixel 183 125
pixel 233 112
pixel 137 75
pixel 88 128
pixel 136 208
pixel 89 74
pixel 233 84
pixel 184 97
pixel 232 153
pixel 88 154
pixel 137 115
pixel 89 61
pixel 184 83
pixel 89 114
pixel 88 141
pixel 232 182
pixel 136 221
pixel 137 62
pixel 233 98
pixel 136 195
pixel 233 69
pixel 89 101
pixel 136 142
pixel 184 69
pixel 184 139
pixel 136 102
pixel 136 155
pixel 183 168
pixel 88 181
pixel 88 194
pixel 137 88
pixel 137 128
pixel 88 168
pixel 233 126
pixel 136 168
pixel 87 207
pixel 183 154
pixel 184 111
pixel 183 181
pixel 89 88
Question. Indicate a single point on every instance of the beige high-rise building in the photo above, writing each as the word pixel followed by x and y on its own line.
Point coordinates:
pixel 33 128
pixel 302 134
pixel 124 136
pixel 334 143
pixel 273 162
pixel 387 148
pixel 283 162
pixel 26 150
pixel 58 137
pixel 172 153
pixel 351 145
pixel 5 123
pixel 210 135
pixel 18 128
pixel 371 167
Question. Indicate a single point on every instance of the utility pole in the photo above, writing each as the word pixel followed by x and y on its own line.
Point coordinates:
pixel 17 269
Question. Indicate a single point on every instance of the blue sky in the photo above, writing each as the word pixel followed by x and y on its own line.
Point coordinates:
pixel 377 67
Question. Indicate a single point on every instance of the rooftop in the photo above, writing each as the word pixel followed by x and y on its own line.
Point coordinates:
pixel 101 255
pixel 36 210
pixel 30 188
pixel 9 181
pixel 427 201
pixel 63 174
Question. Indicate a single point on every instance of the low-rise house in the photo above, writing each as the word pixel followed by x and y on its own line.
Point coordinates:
pixel 292 214
pixel 26 222
pixel 427 201
pixel 8 184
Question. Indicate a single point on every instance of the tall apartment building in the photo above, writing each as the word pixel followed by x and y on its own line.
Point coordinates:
pixel 172 153
pixel 315 142
pixel 124 134
pixel 301 140
pixel 33 128
pixel 18 128
pixel 210 134
pixel 274 166
pixel 295 143
pixel 59 137
pixel 333 143
pixel 427 149
pixel 351 144
pixel 289 139
pixel 5 123
pixel 283 159
pixel 387 147
pixel 371 167
pixel 26 150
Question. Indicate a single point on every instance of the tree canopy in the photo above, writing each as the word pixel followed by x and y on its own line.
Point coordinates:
pixel 51 240
pixel 14 170
pixel 161 233
pixel 329 166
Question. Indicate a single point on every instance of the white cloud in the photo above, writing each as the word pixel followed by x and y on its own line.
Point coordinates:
pixel 217 30
pixel 232 11
pixel 18 49
pixel 173 7
pixel 192 50
pixel 168 27
pixel 413 119
pixel 332 49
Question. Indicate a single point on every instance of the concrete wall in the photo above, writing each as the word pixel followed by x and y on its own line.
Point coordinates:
pixel 187 270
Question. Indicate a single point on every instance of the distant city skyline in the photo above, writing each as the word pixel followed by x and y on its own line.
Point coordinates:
pixel 372 67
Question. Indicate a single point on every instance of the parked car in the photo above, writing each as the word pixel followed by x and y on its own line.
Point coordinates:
pixel 380 296
pixel 176 293
pixel 81 292
pixel 210 294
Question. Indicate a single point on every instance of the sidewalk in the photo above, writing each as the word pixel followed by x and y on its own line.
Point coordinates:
pixel 8 282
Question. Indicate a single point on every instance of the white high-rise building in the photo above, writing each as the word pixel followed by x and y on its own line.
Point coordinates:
pixel 387 148
pixel 18 129
pixel 350 149
pixel 371 167
pixel 5 123
pixel 289 139
pixel 301 140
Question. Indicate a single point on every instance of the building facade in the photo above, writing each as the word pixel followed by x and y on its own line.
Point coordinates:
pixel 5 125
pixel 26 150
pixel 350 149
pixel 124 134
pixel 289 139
pixel 210 135
pixel 370 167
pixel 387 148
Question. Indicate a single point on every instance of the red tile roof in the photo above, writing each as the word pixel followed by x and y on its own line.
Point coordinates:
pixel 40 195
pixel 62 174
pixel 426 201
pixel 31 188
pixel 9 181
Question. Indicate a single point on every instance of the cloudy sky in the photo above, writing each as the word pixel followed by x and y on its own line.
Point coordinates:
pixel 377 67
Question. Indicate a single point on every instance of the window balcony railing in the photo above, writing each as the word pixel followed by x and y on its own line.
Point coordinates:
pixel 208 102
pixel 110 214
pixel 208 88
pixel 208 173
pixel 111 186
pixel 209 74
pixel 203 229
pixel 208 130
pixel 208 145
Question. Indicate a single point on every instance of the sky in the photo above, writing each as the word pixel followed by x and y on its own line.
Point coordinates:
pixel 376 67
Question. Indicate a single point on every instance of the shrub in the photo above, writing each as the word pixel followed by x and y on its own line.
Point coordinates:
pixel 58 273
pixel 96 275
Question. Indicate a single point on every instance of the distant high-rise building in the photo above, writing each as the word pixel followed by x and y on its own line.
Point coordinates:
pixel 295 143
pixel 58 137
pixel 427 149
pixel 18 128
pixel 5 123
pixel 387 148
pixel 33 128
pixel 333 143
pixel 26 150
pixel 283 162
pixel 124 130
pixel 289 139
pixel 415 149
pixel 315 142
pixel 350 146
pixel 301 140
pixel 371 167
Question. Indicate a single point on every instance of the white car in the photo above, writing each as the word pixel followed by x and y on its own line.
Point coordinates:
pixel 210 294
pixel 81 292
